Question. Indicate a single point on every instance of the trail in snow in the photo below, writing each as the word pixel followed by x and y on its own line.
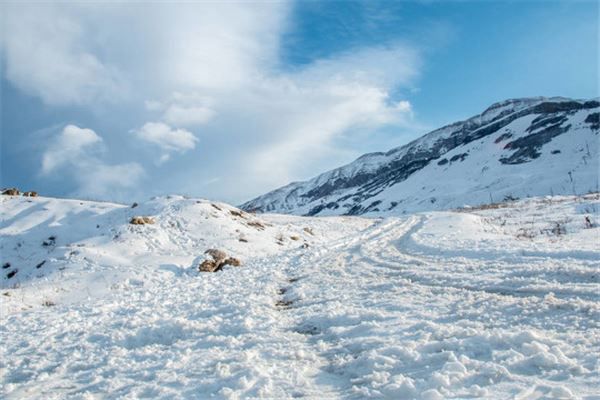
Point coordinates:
pixel 428 306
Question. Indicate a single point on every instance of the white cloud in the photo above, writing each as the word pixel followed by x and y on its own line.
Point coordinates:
pixel 167 138
pixel 45 56
pixel 186 116
pixel 74 154
pixel 217 65
pixel 71 145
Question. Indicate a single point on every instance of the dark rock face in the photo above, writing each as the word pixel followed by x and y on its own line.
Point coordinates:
pixel 528 147
pixel 503 137
pixel 458 157
pixel 594 120
pixel 400 163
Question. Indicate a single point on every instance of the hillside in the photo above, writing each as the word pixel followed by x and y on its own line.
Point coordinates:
pixel 495 302
pixel 514 149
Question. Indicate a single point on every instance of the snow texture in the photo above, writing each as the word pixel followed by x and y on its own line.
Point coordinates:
pixel 494 302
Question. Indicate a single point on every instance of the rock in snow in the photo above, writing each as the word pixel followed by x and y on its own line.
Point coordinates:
pixel 218 259
pixel 141 220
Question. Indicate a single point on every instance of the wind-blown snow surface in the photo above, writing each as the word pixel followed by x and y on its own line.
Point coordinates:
pixel 517 148
pixel 475 303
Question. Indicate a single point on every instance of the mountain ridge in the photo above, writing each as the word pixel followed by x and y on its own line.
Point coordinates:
pixel 527 126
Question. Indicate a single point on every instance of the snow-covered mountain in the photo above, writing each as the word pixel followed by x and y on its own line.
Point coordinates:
pixel 516 148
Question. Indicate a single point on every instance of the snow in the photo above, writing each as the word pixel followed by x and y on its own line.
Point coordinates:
pixel 491 302
pixel 567 164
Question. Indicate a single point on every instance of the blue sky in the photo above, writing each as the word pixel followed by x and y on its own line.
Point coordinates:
pixel 123 101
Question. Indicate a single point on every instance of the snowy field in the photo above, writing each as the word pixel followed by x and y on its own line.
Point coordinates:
pixel 492 303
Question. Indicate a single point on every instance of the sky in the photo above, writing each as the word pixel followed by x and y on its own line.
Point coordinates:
pixel 122 101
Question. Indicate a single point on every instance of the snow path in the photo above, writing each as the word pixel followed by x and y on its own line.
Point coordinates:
pixel 427 306
pixel 396 324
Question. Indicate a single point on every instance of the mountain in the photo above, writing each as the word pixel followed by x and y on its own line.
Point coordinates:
pixel 515 148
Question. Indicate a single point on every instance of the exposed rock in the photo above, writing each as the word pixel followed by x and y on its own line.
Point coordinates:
pixel 237 213
pixel 208 266
pixel 30 194
pixel 594 120
pixel 503 137
pixel 232 261
pixel 257 225
pixel 528 147
pixel 460 157
pixel 141 220
pixel 51 241
pixel 11 192
pixel 218 259
pixel 217 255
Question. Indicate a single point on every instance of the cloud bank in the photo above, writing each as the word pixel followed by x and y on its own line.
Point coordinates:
pixel 208 72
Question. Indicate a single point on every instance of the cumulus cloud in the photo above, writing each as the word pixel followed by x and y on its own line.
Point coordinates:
pixel 167 138
pixel 70 146
pixel 74 153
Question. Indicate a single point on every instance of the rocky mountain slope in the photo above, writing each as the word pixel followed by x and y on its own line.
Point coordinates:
pixel 516 148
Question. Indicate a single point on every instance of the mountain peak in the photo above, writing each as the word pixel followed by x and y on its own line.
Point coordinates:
pixel 515 148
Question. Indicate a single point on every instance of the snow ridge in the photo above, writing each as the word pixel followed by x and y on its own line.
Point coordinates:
pixel 515 148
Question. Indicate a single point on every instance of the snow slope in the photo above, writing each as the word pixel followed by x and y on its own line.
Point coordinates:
pixel 77 244
pixel 497 302
pixel 516 148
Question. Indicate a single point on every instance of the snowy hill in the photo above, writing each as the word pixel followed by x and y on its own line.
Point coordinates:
pixel 514 149
pixel 494 302
pixel 76 244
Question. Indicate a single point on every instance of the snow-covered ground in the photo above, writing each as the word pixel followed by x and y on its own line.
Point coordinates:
pixel 500 302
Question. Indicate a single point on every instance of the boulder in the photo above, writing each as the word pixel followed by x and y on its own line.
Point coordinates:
pixel 217 260
pixel 208 266
pixel 217 255
pixel 141 220
pixel 11 192
pixel 232 261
